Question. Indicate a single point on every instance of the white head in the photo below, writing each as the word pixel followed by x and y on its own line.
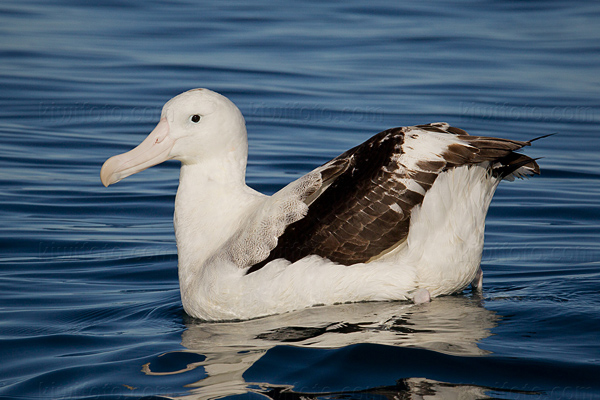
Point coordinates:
pixel 197 126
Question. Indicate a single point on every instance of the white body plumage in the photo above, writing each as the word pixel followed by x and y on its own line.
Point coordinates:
pixel 442 253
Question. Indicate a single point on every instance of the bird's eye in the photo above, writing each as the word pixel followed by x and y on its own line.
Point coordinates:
pixel 195 118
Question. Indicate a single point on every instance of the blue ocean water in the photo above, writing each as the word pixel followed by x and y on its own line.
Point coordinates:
pixel 89 298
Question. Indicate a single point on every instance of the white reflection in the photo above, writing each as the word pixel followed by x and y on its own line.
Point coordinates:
pixel 450 325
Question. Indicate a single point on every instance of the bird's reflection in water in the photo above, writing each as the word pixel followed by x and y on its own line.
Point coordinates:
pixel 451 325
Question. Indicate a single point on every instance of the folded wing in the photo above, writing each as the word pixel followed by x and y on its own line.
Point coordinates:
pixel 359 204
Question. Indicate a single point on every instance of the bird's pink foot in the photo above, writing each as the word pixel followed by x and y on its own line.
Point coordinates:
pixel 421 296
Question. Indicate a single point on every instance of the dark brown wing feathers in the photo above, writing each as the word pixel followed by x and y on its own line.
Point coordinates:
pixel 366 209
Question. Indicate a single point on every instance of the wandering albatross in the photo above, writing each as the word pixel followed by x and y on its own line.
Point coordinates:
pixel 398 217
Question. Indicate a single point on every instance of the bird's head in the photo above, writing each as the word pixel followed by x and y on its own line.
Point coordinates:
pixel 196 126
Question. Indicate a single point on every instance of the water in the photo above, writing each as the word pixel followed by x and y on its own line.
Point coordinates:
pixel 89 298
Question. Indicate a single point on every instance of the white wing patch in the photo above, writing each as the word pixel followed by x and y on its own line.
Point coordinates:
pixel 422 146
pixel 258 236
pixel 261 230
pixel 418 147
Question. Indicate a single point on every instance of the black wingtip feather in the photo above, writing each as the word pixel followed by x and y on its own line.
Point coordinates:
pixel 543 136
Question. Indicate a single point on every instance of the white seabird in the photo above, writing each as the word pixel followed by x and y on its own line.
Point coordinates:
pixel 399 217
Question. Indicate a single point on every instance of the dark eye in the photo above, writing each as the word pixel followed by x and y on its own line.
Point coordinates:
pixel 195 118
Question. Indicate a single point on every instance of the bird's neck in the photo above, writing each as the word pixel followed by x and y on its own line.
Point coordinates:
pixel 210 203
